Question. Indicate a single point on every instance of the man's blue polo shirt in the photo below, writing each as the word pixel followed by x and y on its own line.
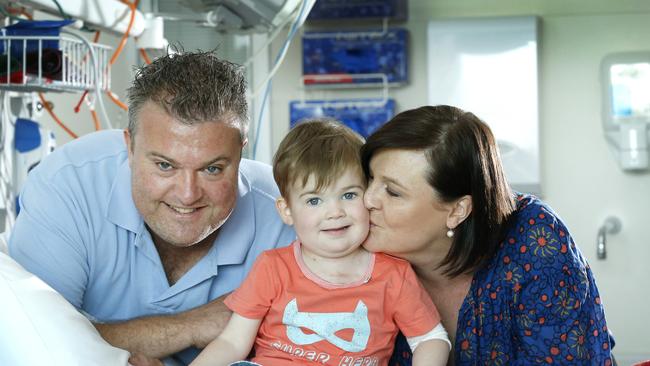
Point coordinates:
pixel 80 231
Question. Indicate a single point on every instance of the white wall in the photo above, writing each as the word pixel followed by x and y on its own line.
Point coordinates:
pixel 580 178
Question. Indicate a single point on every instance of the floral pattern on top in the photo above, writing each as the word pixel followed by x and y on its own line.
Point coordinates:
pixel 536 302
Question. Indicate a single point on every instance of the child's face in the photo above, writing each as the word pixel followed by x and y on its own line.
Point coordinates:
pixel 332 222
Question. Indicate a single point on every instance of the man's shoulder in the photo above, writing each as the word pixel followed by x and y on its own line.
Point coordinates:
pixel 258 177
pixel 92 148
pixel 96 144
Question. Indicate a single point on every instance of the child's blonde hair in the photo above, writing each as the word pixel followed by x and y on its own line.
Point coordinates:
pixel 322 147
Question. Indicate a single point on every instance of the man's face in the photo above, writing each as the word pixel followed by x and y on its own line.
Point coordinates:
pixel 184 177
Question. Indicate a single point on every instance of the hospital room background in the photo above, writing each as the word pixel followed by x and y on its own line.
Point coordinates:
pixel 565 85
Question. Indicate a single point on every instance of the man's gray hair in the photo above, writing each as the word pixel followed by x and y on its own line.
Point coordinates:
pixel 192 87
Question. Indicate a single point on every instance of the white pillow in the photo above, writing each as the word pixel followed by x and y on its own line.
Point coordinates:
pixel 39 327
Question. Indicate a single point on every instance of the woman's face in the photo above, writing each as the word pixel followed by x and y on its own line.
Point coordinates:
pixel 406 218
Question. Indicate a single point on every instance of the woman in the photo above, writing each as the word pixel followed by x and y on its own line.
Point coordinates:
pixel 506 276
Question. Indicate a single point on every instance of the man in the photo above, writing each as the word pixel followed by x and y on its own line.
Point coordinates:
pixel 143 229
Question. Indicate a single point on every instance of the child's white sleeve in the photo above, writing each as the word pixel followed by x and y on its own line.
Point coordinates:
pixel 438 332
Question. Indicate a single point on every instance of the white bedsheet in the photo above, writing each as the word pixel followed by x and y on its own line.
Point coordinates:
pixel 39 327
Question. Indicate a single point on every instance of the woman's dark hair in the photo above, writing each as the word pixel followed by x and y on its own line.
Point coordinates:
pixel 463 160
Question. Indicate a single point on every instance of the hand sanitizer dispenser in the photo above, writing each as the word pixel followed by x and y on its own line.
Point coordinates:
pixel 625 81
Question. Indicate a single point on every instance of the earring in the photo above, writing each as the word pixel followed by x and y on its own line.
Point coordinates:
pixel 450 233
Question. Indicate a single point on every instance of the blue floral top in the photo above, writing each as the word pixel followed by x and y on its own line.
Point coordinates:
pixel 536 302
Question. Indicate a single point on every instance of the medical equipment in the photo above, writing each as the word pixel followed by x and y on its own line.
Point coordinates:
pixel 364 116
pixel 344 55
pixel 44 61
pixel 32 143
pixel 367 9
pixel 36 57
pixel 625 80
pixel 243 15
pixel 106 15
pixel 24 144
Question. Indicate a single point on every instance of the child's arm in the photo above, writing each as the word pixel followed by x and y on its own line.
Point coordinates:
pixel 431 348
pixel 233 344
pixel 431 352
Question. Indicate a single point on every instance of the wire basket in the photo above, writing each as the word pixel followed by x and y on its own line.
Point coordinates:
pixel 52 63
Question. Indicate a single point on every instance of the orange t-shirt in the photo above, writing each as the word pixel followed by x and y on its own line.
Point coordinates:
pixel 307 320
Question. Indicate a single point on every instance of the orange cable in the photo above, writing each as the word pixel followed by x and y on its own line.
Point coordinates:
pixel 78 106
pixel 26 14
pixel 95 120
pixel 144 55
pixel 20 11
pixel 117 52
pixel 56 119
pixel 125 37
pixel 116 100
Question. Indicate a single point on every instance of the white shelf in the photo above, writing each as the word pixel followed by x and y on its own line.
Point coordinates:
pixel 52 63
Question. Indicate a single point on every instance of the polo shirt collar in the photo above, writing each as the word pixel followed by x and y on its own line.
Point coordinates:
pixel 238 232
pixel 231 246
pixel 121 209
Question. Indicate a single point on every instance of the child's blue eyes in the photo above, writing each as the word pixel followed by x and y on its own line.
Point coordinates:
pixel 313 201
